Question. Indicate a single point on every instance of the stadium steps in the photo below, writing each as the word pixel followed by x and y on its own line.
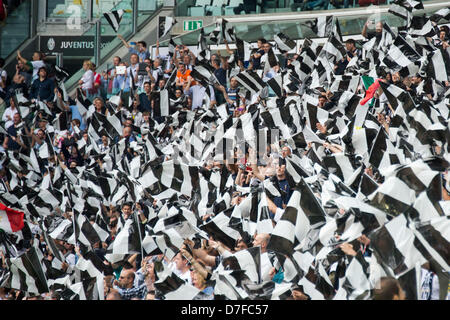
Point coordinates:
pixel 12 34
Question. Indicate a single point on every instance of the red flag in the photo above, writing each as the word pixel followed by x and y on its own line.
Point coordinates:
pixel 370 92
pixel 10 219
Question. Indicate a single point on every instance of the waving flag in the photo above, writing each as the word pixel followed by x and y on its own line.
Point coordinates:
pixel 114 18
pixel 165 25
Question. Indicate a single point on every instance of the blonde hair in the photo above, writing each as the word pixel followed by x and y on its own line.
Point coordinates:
pixel 89 64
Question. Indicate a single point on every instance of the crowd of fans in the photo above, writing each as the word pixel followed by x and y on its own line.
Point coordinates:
pixel 134 279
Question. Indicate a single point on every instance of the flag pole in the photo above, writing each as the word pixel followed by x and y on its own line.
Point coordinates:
pixel 70 201
pixel 139 229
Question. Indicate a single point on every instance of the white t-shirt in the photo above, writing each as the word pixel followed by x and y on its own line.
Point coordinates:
pixel 9 112
pixel 88 80
pixel 36 65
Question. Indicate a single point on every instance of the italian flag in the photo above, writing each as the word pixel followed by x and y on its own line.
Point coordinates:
pixel 371 85
pixel 10 219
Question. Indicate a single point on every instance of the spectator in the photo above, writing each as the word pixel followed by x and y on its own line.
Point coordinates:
pixel 21 70
pixel 140 49
pixel 13 141
pixel 157 73
pixel 370 34
pixel 219 72
pixel 145 98
pixel 43 88
pixel 255 59
pixel 3 77
pixel 133 69
pixel 97 87
pixel 200 283
pixel 9 113
pixel 121 81
pixel 183 78
pixel 34 65
pixel 199 93
pixel 135 114
pixel 351 51
pixel 126 285
pixel 150 169
pixel 180 265
pixel 267 270
pixel 110 74
pixel 389 289
pixel 104 145
pixel 167 61
pixel 17 86
pixel 86 83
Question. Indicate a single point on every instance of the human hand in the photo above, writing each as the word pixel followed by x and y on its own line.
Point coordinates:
pixel 347 248
pixel 298 295
pixel 321 128
pixel 189 243
pixel 272 272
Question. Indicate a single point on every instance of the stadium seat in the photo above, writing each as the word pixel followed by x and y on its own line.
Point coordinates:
pixel 199 9
pixel 217 7
pixel 233 4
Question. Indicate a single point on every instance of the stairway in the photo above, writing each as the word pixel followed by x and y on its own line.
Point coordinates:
pixel 16 30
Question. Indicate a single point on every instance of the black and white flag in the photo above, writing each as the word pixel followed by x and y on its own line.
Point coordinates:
pixel 165 25
pixel 302 213
pixel 26 273
pixel 284 43
pixel 251 81
pixel 322 26
pixel 114 18
pixel 396 247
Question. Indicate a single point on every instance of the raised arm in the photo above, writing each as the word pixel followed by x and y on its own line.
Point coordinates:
pixel 123 41
pixel 25 62
pixel 254 165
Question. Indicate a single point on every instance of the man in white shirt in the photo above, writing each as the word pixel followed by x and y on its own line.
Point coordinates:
pixel 133 69
pixel 199 96
pixel 180 266
pixel 166 62
pixel 267 270
pixel 35 64
pixel 157 72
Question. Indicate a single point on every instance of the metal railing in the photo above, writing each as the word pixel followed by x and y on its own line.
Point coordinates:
pixel 201 8
pixel 252 27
